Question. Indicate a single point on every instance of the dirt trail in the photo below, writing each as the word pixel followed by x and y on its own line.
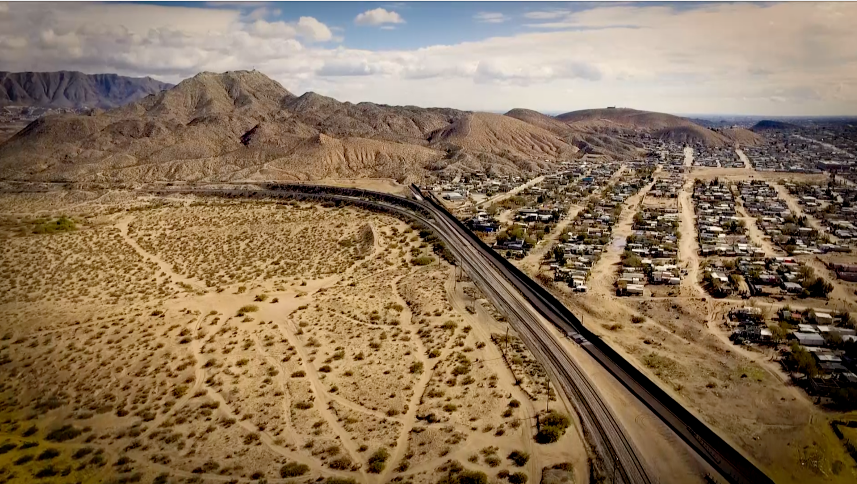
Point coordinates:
pixel 601 277
pixel 533 259
pixel 512 192
pixel 165 267
pixel 755 233
pixel 688 156
pixel 797 210
pixel 744 158
pixel 410 417
pixel 321 400
pixel 840 297
pixel 506 217
pixel 199 378
pixel 688 250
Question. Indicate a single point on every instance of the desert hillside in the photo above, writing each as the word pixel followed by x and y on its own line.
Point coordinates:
pixel 66 89
pixel 663 126
pixel 244 125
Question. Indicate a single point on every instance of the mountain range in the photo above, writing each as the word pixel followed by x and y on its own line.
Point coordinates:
pixel 70 89
pixel 242 125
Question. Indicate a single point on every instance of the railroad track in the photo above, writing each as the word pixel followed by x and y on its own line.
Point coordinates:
pixel 617 452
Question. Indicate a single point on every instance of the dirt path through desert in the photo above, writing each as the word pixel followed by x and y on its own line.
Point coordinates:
pixel 688 250
pixel 534 257
pixel 744 158
pixel 601 277
pixel 755 234
pixel 165 267
pixel 796 209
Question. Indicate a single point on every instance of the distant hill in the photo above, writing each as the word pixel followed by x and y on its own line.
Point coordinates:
pixel 243 125
pixel 68 89
pixel 767 124
pixel 660 125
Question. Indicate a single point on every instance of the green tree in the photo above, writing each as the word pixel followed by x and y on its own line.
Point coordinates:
pixel 559 255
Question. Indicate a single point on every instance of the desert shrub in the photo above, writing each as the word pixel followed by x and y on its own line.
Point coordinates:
pixel 48 454
pixel 416 367
pixel 637 319
pixel 299 374
pixel 293 469
pixel 553 427
pixel 80 453
pixel 517 478
pixel 514 403
pixel 325 369
pixel 340 480
pixel 519 458
pixel 492 460
pixel 434 353
pixel 250 438
pixel 62 224
pixel 6 447
pixel 340 463
pixel 261 298
pixel 450 407
pixel 30 431
pixel 464 477
pixel 250 308
pixel 423 260
pixel 378 460
pixel 47 471
pixel 66 432
pixel 23 459
pixel 303 405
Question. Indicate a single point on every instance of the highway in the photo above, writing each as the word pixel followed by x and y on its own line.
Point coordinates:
pixel 531 309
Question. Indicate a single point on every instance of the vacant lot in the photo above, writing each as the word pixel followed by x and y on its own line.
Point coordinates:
pixel 158 340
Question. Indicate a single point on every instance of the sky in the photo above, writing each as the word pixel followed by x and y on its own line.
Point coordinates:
pixel 776 59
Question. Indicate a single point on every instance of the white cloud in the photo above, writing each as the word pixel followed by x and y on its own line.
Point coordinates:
pixel 491 17
pixel 378 16
pixel 713 58
pixel 311 29
pixel 546 14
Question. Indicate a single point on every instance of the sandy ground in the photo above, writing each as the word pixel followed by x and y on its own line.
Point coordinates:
pixel 535 256
pixel 219 340
pixel 732 174
pixel 502 196
pixel 603 273
pixel 386 185
pixel 796 209
pixel 688 250
pixel 755 233
pixel 744 158
pixel 688 156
